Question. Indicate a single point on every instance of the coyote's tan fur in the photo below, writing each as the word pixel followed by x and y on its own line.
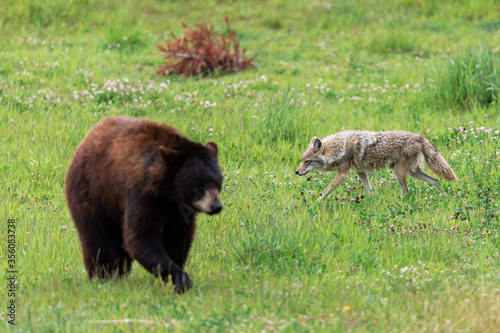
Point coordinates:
pixel 366 152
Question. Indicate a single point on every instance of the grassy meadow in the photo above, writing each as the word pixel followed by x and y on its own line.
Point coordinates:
pixel 275 259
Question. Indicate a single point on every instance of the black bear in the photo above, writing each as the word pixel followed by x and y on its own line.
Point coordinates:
pixel 133 190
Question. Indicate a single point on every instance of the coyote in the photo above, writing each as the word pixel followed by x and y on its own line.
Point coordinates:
pixel 366 151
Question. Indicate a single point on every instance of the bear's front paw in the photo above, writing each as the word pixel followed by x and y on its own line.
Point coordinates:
pixel 182 282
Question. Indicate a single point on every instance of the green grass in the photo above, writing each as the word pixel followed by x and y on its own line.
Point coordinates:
pixel 275 259
pixel 466 81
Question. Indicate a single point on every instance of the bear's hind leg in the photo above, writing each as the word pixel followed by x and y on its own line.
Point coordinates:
pixel 123 263
pixel 102 250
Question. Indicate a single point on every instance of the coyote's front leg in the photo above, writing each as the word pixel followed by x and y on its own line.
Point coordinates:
pixel 365 182
pixel 341 177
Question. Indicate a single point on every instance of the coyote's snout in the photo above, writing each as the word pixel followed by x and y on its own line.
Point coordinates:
pixel 366 152
pixel 312 158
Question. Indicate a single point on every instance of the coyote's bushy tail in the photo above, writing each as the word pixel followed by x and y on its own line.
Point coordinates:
pixel 436 162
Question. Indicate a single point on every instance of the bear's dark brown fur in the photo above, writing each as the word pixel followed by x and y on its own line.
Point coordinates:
pixel 133 189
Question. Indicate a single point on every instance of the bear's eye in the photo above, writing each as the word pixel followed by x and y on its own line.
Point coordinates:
pixel 209 185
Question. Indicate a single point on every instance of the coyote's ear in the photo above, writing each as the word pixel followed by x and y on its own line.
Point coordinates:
pixel 167 153
pixel 311 143
pixel 317 144
pixel 212 146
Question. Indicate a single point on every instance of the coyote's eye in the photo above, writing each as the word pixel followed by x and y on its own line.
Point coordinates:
pixel 308 161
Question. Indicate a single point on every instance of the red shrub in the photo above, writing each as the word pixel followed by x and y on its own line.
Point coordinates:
pixel 202 51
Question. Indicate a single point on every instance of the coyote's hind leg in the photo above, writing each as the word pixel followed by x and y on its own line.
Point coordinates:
pixel 419 174
pixel 401 170
pixel 365 181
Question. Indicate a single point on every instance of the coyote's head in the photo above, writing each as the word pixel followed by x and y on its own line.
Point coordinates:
pixel 313 157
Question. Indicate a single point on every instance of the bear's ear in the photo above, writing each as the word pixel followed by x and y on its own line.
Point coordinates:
pixel 167 153
pixel 212 146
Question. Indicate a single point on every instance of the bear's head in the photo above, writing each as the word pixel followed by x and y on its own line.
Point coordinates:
pixel 199 179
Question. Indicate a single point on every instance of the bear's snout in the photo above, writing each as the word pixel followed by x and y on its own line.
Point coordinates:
pixel 209 202
pixel 216 208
